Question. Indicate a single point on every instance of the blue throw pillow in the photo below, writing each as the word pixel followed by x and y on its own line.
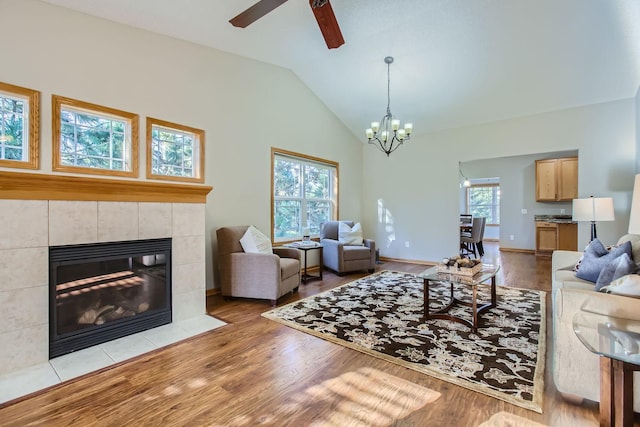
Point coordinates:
pixel 596 257
pixel 617 268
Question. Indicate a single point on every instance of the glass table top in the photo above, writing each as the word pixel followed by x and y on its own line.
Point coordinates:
pixel 608 336
pixel 488 271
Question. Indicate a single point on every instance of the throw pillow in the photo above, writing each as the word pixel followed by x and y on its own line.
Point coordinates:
pixel 255 242
pixel 596 257
pixel 617 268
pixel 628 285
pixel 350 235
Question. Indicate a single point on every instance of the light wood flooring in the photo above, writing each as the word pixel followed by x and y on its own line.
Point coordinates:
pixel 258 372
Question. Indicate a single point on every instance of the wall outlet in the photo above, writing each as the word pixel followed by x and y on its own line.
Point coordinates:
pixel 512 237
pixel 407 244
pixel 524 211
pixel 562 211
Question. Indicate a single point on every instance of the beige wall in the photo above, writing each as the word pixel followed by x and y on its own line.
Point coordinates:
pixel 244 106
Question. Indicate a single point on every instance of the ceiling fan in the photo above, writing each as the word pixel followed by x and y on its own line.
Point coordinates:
pixel 321 9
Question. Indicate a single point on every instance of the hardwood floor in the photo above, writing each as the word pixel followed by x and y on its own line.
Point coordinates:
pixel 257 372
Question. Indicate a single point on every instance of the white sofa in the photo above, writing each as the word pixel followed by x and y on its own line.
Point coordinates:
pixel 576 370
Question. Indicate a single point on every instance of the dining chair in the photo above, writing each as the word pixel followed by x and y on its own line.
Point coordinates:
pixel 471 242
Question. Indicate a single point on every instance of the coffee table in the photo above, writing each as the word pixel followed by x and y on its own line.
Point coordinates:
pixel 617 342
pixel 431 275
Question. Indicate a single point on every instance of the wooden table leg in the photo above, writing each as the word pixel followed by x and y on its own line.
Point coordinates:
pixel 474 308
pixel 616 393
pixel 606 392
pixel 425 312
pixel 623 393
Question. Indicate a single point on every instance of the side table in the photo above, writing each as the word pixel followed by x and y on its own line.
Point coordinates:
pixel 617 342
pixel 305 248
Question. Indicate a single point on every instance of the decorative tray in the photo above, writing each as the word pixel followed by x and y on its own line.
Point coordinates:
pixel 460 266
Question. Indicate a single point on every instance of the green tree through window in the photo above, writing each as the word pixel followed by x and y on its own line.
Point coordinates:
pixel 484 201
pixel 304 195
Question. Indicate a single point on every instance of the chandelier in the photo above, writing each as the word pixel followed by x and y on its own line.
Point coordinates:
pixel 386 134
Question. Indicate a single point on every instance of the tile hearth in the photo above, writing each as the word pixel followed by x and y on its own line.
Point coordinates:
pixel 73 365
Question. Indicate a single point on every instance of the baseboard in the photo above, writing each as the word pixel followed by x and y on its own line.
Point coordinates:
pixel 524 251
pixel 408 261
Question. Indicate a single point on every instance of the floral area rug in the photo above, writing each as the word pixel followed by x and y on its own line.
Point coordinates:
pixel 381 315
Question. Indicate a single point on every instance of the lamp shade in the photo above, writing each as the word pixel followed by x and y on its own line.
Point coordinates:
pixel 594 209
pixel 634 218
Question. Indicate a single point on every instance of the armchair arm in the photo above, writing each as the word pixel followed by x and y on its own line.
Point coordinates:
pixel 287 253
pixel 564 260
pixel 245 275
pixel 332 254
pixel 371 244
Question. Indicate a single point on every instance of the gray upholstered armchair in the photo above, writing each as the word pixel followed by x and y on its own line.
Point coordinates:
pixel 343 258
pixel 253 275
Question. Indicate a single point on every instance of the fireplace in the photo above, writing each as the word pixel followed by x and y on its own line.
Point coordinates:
pixel 103 291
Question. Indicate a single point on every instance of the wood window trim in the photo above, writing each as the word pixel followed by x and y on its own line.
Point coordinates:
pixel 278 151
pixel 57 102
pixel 199 133
pixel 33 98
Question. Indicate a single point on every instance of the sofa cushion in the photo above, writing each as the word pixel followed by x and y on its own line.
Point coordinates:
pixel 628 285
pixel 350 235
pixel 635 245
pixel 596 257
pixel 253 241
pixel 617 268
pixel 569 280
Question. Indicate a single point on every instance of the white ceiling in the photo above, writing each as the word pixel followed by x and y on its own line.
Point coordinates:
pixel 457 62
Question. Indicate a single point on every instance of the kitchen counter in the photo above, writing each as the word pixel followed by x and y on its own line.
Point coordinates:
pixel 558 219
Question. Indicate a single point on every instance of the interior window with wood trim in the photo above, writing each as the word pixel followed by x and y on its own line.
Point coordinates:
pixel 304 194
pixel 93 139
pixel 19 127
pixel 174 152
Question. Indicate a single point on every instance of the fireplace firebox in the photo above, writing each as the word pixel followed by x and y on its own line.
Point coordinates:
pixel 104 291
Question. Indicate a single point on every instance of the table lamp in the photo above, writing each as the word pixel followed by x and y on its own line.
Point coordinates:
pixel 593 209
pixel 634 217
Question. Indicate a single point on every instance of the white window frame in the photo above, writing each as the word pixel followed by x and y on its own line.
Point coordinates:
pixel 30 126
pixel 130 148
pixel 303 160
pixel 495 205
pixel 197 150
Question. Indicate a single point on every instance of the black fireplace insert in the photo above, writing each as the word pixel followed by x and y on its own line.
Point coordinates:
pixel 104 291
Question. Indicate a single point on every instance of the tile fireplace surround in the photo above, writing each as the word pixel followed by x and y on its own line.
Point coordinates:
pixel 29 227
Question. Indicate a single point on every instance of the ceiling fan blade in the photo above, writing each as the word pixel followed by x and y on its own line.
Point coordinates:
pixel 327 23
pixel 255 12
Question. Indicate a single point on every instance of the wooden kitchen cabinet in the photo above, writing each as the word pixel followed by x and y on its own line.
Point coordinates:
pixel 551 236
pixel 557 179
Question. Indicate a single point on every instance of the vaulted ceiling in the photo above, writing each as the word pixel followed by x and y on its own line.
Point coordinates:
pixel 457 62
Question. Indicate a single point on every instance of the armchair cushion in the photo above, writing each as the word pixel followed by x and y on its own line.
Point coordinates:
pixel 350 235
pixel 254 242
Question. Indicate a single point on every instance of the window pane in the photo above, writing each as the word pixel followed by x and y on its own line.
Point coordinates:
pixel 172 152
pixel 92 141
pixel 317 182
pixel 13 153
pixel 485 202
pixel 287 218
pixel 287 178
pixel 318 212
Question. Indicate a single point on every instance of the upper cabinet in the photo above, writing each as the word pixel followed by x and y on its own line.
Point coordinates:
pixel 557 179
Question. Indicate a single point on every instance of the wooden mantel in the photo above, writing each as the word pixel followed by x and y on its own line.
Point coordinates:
pixel 32 186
